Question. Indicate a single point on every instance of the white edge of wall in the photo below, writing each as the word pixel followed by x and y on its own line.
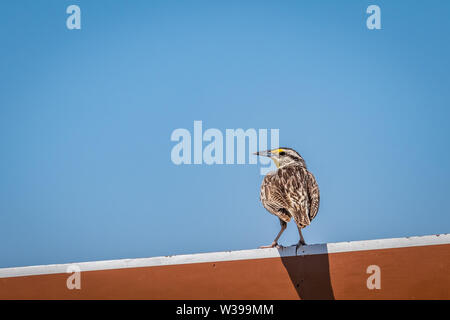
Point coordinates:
pixel 229 255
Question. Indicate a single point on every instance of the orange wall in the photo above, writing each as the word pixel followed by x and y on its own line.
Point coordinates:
pixel 406 273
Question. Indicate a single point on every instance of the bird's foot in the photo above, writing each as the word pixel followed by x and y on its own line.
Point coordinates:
pixel 299 244
pixel 273 245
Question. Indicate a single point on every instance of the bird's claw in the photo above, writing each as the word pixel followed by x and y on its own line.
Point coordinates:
pixel 273 245
pixel 299 244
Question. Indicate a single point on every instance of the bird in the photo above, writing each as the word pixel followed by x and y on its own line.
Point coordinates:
pixel 290 192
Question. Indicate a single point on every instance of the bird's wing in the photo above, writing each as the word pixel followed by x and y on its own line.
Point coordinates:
pixel 285 194
pixel 314 195
pixel 273 199
pixel 295 192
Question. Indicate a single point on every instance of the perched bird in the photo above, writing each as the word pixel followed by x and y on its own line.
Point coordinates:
pixel 290 192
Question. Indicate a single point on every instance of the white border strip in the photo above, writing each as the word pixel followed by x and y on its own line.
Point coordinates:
pixel 230 255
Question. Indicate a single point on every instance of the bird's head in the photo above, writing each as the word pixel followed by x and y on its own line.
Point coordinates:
pixel 283 156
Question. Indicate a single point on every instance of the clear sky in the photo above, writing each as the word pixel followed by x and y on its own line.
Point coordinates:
pixel 86 118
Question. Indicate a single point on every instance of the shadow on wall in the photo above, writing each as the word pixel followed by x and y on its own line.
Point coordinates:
pixel 309 271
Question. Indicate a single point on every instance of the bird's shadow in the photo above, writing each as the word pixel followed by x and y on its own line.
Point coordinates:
pixel 309 270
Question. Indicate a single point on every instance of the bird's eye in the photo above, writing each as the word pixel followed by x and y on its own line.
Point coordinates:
pixel 282 153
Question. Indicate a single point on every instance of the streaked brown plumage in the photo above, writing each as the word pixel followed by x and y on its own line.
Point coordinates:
pixel 290 192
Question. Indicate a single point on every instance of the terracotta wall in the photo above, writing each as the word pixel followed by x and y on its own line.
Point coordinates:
pixel 421 272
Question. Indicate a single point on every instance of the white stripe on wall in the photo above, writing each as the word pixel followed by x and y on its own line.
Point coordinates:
pixel 230 255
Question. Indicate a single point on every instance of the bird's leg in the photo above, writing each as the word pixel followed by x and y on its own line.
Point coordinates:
pixel 301 242
pixel 275 242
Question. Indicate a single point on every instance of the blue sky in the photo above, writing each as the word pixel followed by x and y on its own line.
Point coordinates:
pixel 86 117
